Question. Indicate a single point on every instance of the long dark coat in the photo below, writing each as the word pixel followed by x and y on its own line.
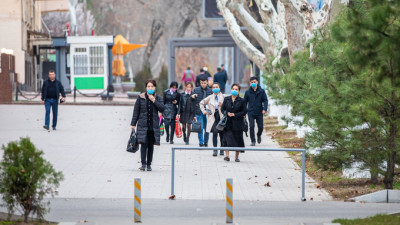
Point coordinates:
pixel 235 123
pixel 170 109
pixel 139 118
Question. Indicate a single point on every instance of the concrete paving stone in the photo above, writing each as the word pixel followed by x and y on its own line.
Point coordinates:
pixel 88 147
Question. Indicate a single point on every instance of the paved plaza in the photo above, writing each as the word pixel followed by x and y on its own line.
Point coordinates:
pixel 89 148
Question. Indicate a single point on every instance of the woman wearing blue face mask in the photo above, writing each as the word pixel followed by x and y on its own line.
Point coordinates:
pixel 211 106
pixel 145 117
pixel 235 108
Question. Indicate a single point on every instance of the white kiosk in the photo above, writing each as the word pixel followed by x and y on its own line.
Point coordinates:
pixel 90 62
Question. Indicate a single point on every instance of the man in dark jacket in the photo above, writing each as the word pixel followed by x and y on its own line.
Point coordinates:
pixel 221 78
pixel 201 93
pixel 257 101
pixel 51 90
pixel 202 75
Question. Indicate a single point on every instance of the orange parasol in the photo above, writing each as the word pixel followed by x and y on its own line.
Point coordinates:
pixel 120 48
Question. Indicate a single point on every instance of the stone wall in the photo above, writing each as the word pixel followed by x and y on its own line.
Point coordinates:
pixel 7 76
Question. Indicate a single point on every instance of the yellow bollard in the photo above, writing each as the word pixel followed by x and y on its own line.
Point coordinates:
pixel 229 200
pixel 138 201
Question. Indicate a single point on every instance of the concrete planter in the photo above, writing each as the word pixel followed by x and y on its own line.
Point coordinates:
pixel 128 86
pixel 132 94
pixel 117 87
pixel 108 98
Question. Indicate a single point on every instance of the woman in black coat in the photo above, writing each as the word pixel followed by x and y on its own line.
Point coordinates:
pixel 187 111
pixel 171 102
pixel 235 108
pixel 145 117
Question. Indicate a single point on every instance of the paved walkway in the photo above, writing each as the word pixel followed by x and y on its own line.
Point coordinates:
pixel 88 147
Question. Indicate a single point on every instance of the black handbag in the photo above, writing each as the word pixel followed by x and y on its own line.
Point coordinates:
pixel 133 145
pixel 246 126
pixel 196 127
pixel 222 123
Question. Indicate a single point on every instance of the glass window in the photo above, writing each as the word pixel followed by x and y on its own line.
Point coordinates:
pixel 80 64
pixel 96 60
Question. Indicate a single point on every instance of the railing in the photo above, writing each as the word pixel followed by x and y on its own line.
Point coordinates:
pixel 303 159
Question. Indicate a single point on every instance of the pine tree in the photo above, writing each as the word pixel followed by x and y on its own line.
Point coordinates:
pixel 349 92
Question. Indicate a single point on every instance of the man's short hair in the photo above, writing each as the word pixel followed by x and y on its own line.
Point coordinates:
pixel 253 78
pixel 201 70
pixel 222 65
pixel 188 67
pixel 52 71
pixel 203 78
pixel 219 69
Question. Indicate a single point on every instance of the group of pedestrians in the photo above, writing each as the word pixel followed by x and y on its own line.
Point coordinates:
pixel 206 104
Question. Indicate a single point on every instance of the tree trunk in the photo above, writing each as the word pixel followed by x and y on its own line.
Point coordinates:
pixel 26 215
pixel 392 148
pixel 374 176
pixel 388 180
pixel 157 28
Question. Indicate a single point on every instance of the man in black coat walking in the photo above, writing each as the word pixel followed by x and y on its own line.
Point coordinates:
pixel 51 90
pixel 221 78
pixel 257 101
pixel 202 75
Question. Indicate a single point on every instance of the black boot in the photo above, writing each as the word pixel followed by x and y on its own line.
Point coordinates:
pixel 143 167
pixel 184 137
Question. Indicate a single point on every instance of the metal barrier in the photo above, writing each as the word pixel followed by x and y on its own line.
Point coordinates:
pixel 303 159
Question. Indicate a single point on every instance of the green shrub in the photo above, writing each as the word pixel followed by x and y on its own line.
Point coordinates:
pixel 26 178
pixel 141 77
pixel 162 82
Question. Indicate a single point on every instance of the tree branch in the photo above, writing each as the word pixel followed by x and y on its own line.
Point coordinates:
pixel 255 29
pixel 240 39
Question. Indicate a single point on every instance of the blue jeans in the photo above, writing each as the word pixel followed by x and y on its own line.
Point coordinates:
pixel 203 120
pixel 53 104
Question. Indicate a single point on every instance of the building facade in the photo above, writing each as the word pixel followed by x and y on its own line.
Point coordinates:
pixel 24 32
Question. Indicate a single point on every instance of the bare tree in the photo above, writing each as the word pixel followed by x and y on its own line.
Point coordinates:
pixel 155 34
pixel 285 26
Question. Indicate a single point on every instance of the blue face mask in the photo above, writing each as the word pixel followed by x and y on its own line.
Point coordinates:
pixel 234 92
pixel 150 92
pixel 216 90
pixel 253 85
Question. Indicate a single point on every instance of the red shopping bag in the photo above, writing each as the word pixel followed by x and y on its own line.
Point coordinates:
pixel 178 128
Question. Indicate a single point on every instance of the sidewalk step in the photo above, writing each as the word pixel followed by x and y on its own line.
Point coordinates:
pixel 273 128
pixel 292 143
pixel 77 223
pixel 284 134
pixel 270 122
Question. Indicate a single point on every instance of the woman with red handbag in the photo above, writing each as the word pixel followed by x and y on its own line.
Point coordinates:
pixel 171 101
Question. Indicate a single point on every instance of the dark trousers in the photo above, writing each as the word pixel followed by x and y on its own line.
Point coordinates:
pixel 147 148
pixel 53 105
pixel 170 123
pixel 259 120
pixel 186 127
pixel 215 140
